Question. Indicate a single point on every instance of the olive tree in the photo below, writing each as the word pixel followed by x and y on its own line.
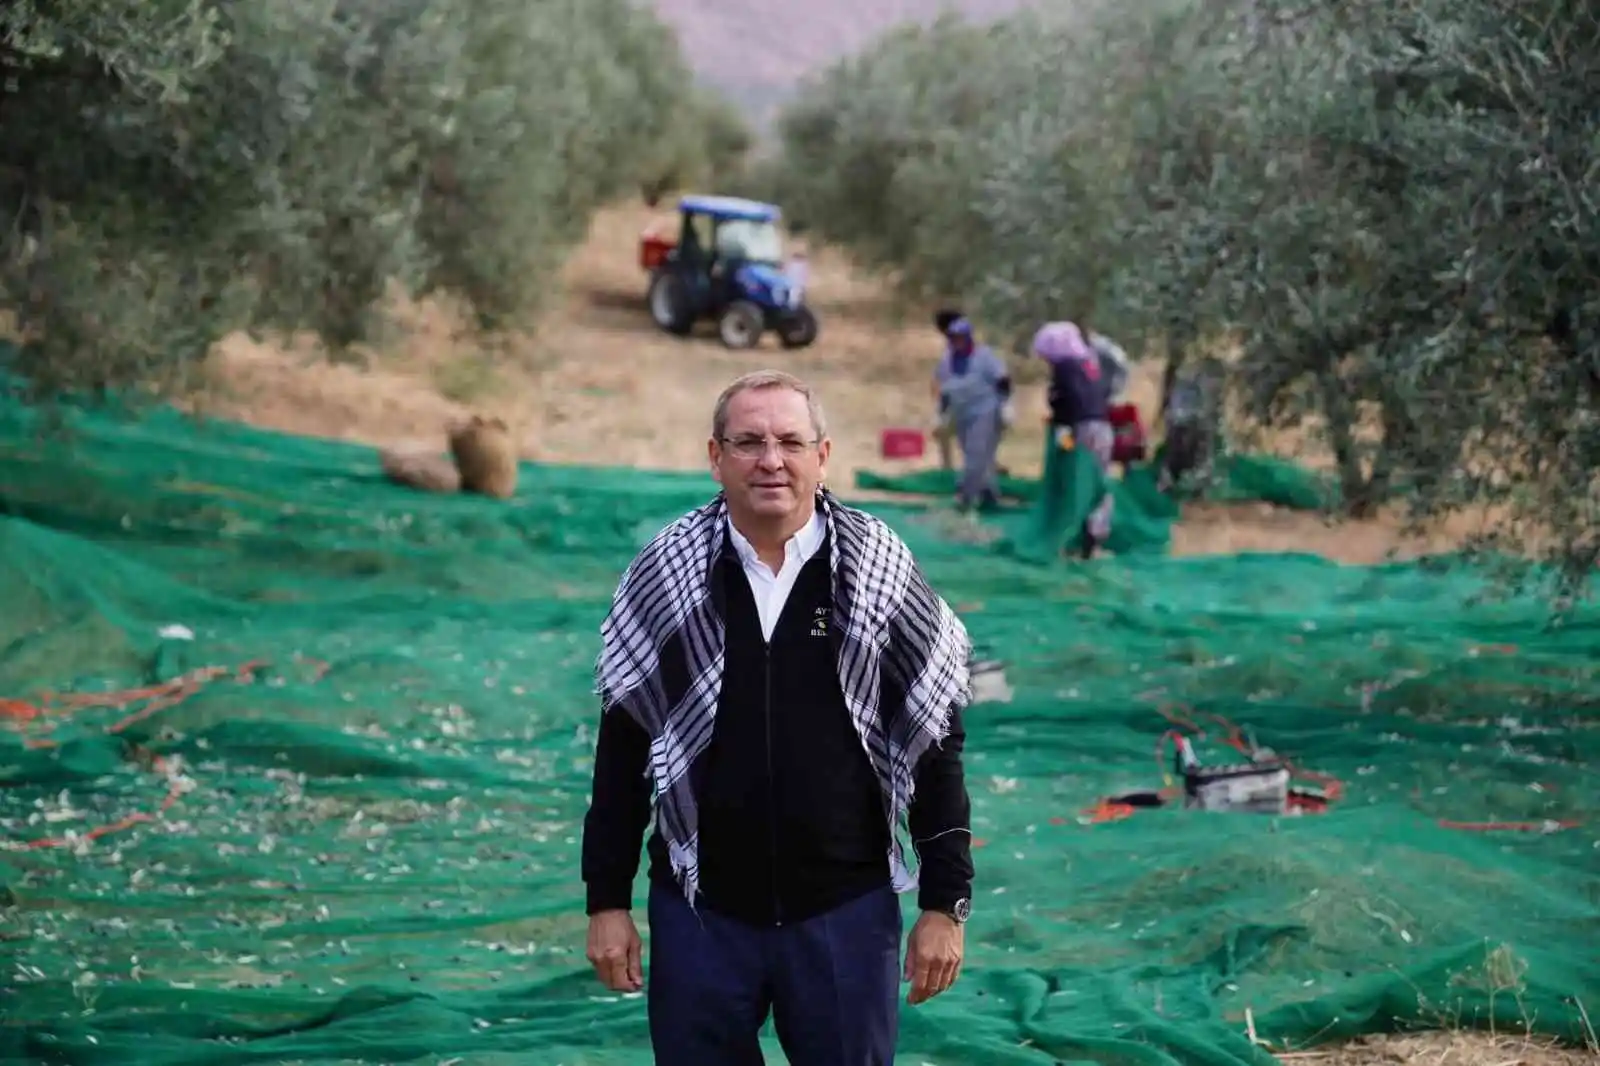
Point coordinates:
pixel 177 169
pixel 707 144
pixel 1396 244
pixel 878 152
pixel 1385 210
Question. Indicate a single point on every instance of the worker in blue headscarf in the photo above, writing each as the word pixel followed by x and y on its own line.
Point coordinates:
pixel 974 386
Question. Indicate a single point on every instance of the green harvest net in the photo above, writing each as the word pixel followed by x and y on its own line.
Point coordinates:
pixel 294 764
pixel 1240 478
pixel 1058 501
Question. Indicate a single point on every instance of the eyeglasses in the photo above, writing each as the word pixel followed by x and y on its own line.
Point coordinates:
pixel 756 447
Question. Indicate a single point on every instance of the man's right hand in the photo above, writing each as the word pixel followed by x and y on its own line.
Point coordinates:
pixel 616 951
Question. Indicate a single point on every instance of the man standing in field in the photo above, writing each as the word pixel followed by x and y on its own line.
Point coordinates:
pixel 777 669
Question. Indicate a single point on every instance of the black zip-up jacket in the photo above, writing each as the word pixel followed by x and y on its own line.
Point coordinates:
pixel 792 820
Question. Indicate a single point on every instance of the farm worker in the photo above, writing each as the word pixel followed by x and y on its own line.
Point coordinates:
pixel 1113 362
pixel 1114 365
pixel 1192 411
pixel 1080 410
pixel 974 387
pixel 943 429
pixel 739 678
pixel 797 273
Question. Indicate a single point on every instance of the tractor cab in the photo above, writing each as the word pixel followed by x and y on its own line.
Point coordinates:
pixel 726 264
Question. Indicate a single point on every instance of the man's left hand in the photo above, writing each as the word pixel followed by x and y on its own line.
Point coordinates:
pixel 933 955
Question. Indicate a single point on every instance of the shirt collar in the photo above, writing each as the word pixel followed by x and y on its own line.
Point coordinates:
pixel 800 547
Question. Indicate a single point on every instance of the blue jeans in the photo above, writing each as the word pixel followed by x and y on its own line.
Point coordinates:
pixel 831 984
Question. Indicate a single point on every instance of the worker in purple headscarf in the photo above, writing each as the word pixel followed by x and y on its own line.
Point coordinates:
pixel 1080 410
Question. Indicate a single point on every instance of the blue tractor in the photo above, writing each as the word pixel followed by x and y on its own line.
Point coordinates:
pixel 726 264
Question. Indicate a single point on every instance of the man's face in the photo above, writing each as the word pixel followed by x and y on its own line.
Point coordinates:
pixel 769 462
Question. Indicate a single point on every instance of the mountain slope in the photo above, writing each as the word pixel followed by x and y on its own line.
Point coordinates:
pixel 756 50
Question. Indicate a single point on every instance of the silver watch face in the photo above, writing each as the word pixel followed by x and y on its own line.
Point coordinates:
pixel 962 910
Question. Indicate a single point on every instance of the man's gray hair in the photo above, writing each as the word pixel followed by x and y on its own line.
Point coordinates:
pixel 767 379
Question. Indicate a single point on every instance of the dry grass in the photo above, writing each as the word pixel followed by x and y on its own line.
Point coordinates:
pixel 1445 1049
pixel 597 384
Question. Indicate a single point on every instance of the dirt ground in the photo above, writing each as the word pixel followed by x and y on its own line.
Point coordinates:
pixel 597 384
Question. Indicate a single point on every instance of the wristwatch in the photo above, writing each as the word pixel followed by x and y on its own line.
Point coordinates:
pixel 960 911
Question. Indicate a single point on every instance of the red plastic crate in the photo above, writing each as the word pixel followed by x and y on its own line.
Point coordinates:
pixel 653 250
pixel 904 443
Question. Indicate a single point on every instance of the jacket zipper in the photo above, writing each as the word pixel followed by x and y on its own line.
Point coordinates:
pixel 772 790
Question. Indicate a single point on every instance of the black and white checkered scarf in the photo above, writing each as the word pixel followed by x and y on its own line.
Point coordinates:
pixel 892 624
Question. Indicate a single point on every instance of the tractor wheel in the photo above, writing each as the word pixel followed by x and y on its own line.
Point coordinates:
pixel 798 328
pixel 741 325
pixel 670 305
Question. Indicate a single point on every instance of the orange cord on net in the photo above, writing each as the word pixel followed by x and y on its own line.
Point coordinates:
pixel 41 715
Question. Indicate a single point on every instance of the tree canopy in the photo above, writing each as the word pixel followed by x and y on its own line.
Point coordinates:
pixel 173 170
pixel 1386 212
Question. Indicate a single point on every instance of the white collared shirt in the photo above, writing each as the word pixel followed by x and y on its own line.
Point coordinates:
pixel 772 590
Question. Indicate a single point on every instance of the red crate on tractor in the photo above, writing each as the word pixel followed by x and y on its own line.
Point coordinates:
pixel 653 249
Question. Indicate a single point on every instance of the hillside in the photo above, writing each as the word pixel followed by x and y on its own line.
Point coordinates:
pixel 755 50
